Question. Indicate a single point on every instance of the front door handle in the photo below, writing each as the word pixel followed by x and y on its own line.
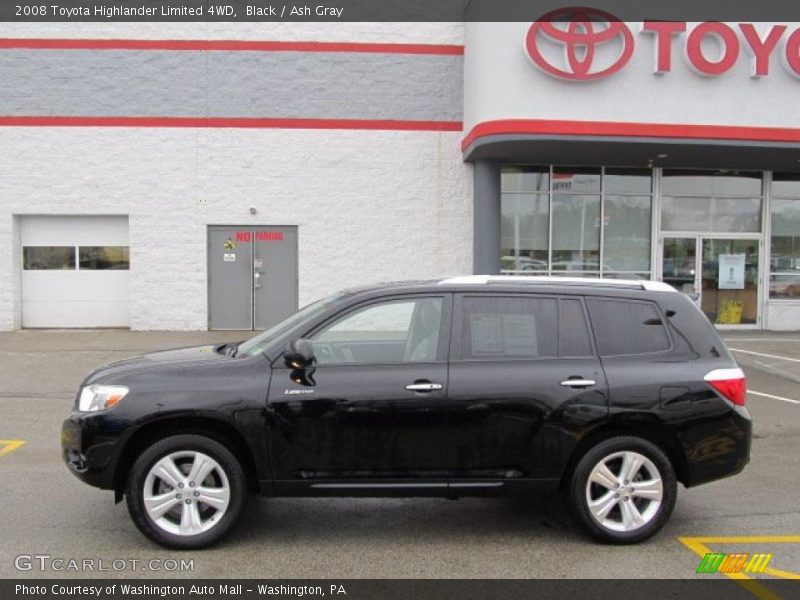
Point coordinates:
pixel 578 383
pixel 424 387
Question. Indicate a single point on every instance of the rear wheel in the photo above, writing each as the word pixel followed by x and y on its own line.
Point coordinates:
pixel 623 490
pixel 186 491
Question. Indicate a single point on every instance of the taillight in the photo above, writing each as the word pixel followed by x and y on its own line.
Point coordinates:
pixel 731 383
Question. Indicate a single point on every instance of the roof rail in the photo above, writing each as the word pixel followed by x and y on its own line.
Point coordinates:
pixel 639 284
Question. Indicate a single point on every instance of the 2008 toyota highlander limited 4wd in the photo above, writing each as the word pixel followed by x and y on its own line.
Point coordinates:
pixel 608 391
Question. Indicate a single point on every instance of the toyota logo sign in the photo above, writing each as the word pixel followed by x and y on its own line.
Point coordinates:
pixel 580 31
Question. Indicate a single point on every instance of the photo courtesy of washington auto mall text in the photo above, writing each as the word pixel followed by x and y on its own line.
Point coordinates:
pixel 399 299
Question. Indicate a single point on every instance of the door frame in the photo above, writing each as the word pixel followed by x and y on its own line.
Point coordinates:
pixel 698 270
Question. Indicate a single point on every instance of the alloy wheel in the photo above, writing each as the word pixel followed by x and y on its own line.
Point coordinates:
pixel 624 491
pixel 186 493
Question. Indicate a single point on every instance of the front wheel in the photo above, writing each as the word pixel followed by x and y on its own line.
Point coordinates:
pixel 185 491
pixel 623 490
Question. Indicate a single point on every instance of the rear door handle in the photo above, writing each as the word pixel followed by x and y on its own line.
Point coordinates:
pixel 424 387
pixel 578 383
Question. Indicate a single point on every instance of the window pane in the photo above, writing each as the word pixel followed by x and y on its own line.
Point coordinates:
pixel 627 327
pixel 524 226
pixel 579 180
pixel 711 183
pixel 46 258
pixel 576 232
pixel 525 179
pixel 627 222
pixel 509 328
pixel 628 181
pixel 786 184
pixel 398 331
pixel 785 249
pixel 104 257
pixel 711 214
pixel 573 334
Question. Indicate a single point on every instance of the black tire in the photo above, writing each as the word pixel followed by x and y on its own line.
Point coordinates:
pixel 580 503
pixel 137 479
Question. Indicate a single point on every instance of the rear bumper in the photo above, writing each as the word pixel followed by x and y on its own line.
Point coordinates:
pixel 719 451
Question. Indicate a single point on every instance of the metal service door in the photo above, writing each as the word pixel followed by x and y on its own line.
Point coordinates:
pixel 275 279
pixel 252 276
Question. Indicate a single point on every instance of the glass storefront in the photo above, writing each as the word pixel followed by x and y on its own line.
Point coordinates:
pixel 721 273
pixel 570 221
pixel 784 281
pixel 711 245
pixel 711 233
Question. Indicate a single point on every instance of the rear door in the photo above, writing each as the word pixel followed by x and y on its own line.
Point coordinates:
pixel 525 381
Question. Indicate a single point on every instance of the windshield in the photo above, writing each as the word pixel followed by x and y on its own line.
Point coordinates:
pixel 257 344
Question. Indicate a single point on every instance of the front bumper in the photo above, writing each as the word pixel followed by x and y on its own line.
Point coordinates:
pixel 90 447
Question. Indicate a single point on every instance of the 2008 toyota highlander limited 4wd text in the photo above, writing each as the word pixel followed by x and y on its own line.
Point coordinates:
pixel 608 391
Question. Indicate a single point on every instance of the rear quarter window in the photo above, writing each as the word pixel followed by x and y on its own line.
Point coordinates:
pixel 625 327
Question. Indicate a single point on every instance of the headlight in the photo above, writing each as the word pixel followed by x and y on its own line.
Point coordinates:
pixel 100 397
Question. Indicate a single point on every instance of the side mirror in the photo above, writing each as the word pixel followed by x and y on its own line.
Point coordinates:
pixel 299 354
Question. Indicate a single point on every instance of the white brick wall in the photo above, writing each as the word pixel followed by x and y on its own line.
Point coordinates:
pixel 370 205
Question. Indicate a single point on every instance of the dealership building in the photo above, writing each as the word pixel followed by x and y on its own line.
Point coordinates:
pixel 184 176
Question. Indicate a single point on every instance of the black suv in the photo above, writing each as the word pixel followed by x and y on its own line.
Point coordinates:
pixel 608 391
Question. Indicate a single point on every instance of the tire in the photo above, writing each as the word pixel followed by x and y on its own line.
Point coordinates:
pixel 637 509
pixel 175 511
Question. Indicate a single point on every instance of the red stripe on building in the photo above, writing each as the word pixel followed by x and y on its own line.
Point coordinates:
pixel 634 130
pixel 229 45
pixel 223 122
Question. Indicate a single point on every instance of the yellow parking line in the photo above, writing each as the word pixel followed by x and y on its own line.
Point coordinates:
pixel 744 539
pixel 780 573
pixel 8 446
pixel 698 546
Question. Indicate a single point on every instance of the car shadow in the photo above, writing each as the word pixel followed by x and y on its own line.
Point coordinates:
pixel 315 520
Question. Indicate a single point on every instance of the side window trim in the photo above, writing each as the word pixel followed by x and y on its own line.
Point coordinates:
pixel 595 351
pixel 442 350
pixel 661 315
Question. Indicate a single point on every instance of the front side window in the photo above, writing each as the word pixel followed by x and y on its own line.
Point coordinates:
pixel 624 327
pixel 398 331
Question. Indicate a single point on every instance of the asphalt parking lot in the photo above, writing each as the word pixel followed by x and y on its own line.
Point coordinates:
pixel 46 511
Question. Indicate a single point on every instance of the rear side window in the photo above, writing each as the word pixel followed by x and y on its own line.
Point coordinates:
pixel 627 327
pixel 509 327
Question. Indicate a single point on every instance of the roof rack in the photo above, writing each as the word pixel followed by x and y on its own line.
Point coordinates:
pixel 638 284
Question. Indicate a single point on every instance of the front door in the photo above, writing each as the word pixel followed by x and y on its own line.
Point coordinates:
pixel 722 272
pixel 252 276
pixel 370 414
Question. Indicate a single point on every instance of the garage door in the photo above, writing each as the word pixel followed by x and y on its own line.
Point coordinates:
pixel 75 271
